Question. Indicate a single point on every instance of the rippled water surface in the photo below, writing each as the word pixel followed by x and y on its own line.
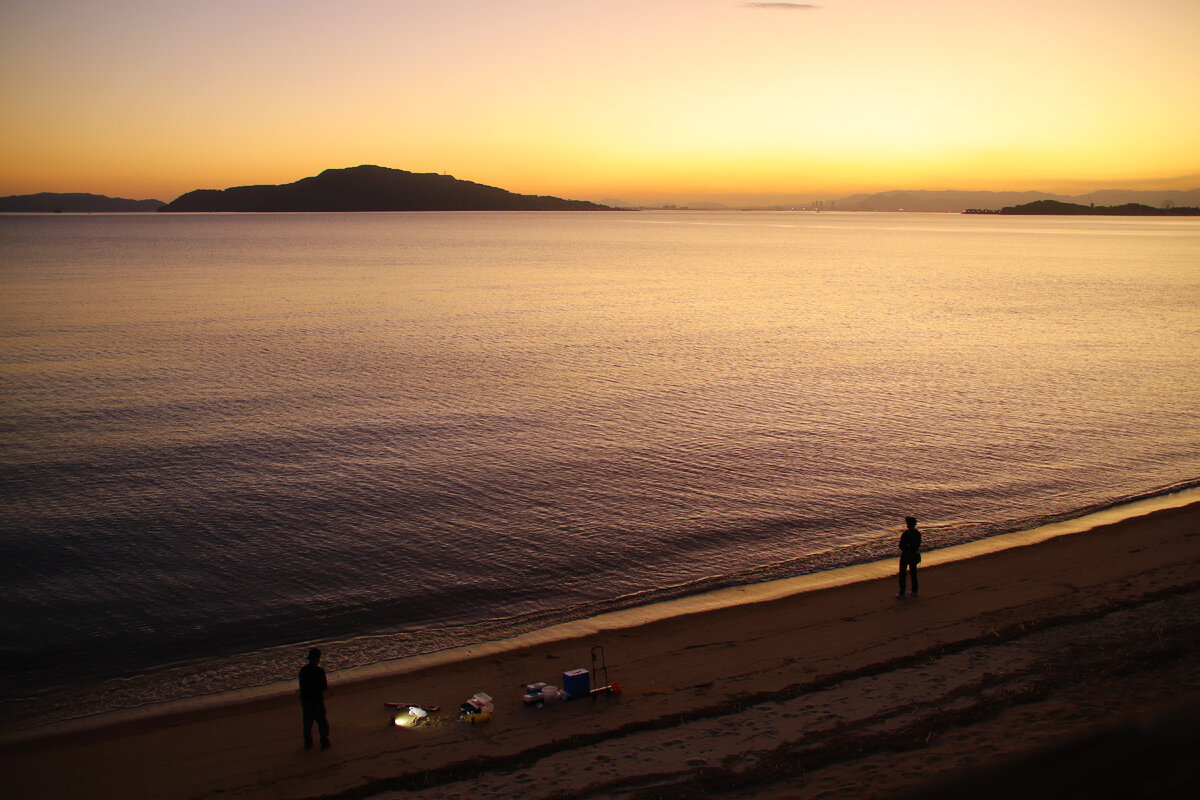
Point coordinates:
pixel 225 433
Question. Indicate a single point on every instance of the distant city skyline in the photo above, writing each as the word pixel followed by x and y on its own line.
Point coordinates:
pixel 645 101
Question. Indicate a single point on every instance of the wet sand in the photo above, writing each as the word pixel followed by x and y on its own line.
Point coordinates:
pixel 1017 664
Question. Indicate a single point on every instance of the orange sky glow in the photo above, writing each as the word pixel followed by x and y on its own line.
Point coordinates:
pixel 637 100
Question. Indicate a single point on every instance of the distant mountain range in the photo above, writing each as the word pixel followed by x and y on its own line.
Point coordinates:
pixel 371 188
pixel 960 201
pixel 54 202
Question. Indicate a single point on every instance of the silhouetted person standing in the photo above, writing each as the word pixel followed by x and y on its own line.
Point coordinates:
pixel 910 554
pixel 312 699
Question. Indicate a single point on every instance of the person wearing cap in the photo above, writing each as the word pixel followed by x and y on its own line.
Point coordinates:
pixel 312 699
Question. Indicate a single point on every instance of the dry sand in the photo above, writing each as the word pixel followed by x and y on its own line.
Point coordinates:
pixel 1066 667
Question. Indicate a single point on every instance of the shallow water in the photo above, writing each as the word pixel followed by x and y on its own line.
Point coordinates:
pixel 222 434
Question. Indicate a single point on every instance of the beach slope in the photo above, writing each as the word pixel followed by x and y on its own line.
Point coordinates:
pixel 1013 661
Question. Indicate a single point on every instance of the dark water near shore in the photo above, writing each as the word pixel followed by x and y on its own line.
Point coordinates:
pixel 224 434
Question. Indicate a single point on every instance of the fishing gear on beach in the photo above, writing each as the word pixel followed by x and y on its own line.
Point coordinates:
pixel 408 715
pixel 576 683
pixel 538 694
pixel 478 709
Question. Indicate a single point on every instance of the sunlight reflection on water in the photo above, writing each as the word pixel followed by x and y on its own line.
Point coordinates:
pixel 223 432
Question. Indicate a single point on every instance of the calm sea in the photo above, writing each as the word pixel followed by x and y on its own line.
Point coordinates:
pixel 225 437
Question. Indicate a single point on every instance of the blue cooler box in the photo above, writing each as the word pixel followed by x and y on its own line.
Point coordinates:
pixel 577 683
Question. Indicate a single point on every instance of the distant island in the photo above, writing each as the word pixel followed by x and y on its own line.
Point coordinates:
pixel 371 188
pixel 980 201
pixel 66 203
pixel 935 201
pixel 1075 209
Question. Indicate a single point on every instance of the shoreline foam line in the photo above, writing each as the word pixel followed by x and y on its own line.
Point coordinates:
pixel 622 619
pixel 773 590
pixel 707 696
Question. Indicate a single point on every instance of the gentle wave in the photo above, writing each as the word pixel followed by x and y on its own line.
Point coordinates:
pixel 225 435
pixel 273 666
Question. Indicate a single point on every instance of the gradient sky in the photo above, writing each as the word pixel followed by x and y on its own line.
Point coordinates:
pixel 639 100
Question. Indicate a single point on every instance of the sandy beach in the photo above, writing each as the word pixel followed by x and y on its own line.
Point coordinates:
pixel 1066 666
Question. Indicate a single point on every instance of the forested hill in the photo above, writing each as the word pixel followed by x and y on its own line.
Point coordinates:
pixel 371 188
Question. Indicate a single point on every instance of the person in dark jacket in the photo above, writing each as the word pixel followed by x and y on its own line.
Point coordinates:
pixel 312 699
pixel 910 554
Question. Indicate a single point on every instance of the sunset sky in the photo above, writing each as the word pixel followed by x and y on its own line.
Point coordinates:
pixel 638 100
